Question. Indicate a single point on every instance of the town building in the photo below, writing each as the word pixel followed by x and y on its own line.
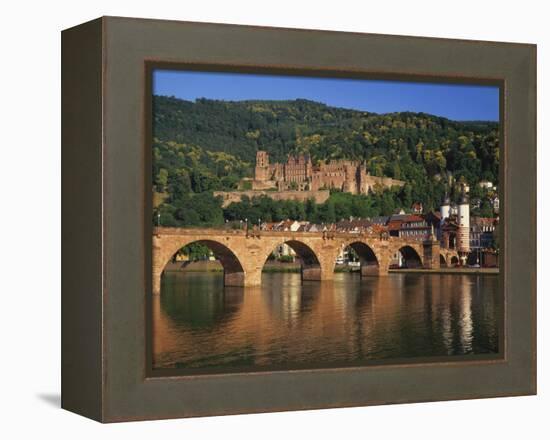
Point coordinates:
pixel 485 184
pixel 483 231
pixel 410 226
pixel 417 208
pixel 495 203
pixel 354 226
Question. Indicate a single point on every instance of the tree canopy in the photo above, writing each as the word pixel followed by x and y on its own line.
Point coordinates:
pixel 209 145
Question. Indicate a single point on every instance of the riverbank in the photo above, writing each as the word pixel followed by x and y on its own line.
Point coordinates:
pixel 194 266
pixel 451 270
pixel 215 266
pixel 278 267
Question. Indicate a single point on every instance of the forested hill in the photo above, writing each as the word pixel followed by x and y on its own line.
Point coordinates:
pixel 216 141
pixel 384 141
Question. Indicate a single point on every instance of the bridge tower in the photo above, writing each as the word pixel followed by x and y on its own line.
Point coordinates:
pixel 445 208
pixel 463 233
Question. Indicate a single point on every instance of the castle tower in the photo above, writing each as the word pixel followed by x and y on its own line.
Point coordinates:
pixel 309 168
pixel 261 172
pixel 352 179
pixel 463 233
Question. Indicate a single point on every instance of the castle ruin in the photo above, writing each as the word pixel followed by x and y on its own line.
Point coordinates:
pixel 299 173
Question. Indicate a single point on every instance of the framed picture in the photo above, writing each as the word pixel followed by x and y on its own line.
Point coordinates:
pixel 262 219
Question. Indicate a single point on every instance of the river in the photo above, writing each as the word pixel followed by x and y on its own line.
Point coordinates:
pixel 200 325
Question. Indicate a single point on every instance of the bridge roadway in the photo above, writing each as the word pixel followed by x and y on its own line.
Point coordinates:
pixel 243 253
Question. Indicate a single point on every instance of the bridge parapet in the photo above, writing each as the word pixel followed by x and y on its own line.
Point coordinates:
pixel 162 230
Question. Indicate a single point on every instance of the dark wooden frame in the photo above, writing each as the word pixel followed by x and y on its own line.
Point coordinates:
pixel 106 206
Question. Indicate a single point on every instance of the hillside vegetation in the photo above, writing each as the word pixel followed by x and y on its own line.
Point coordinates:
pixel 210 145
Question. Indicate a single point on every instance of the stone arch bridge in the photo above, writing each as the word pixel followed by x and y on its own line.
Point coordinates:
pixel 243 253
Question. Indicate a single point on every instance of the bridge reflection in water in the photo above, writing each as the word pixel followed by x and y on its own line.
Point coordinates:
pixel 284 323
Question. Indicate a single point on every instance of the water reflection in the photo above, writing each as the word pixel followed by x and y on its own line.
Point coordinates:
pixel 198 323
pixel 201 307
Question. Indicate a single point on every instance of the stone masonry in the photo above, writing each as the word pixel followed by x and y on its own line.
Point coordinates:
pixel 229 197
pixel 299 173
pixel 243 253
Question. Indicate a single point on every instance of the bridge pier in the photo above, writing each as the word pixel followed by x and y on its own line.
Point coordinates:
pixel 311 273
pixel 252 277
pixel 316 273
pixel 380 268
pixel 432 251
pixel 156 284
pixel 372 270
pixel 158 268
pixel 235 279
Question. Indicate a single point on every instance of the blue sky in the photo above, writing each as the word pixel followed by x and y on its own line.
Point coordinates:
pixel 453 101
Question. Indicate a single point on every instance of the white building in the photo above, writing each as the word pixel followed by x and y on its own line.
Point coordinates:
pixel 463 233
pixel 445 208
pixel 486 184
pixel 496 204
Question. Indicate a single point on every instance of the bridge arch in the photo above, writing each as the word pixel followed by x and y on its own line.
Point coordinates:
pixel 243 253
pixel 370 264
pixel 311 264
pixel 411 258
pixel 233 271
pixel 442 261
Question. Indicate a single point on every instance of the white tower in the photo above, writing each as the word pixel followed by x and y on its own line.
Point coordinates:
pixel 463 233
pixel 445 208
